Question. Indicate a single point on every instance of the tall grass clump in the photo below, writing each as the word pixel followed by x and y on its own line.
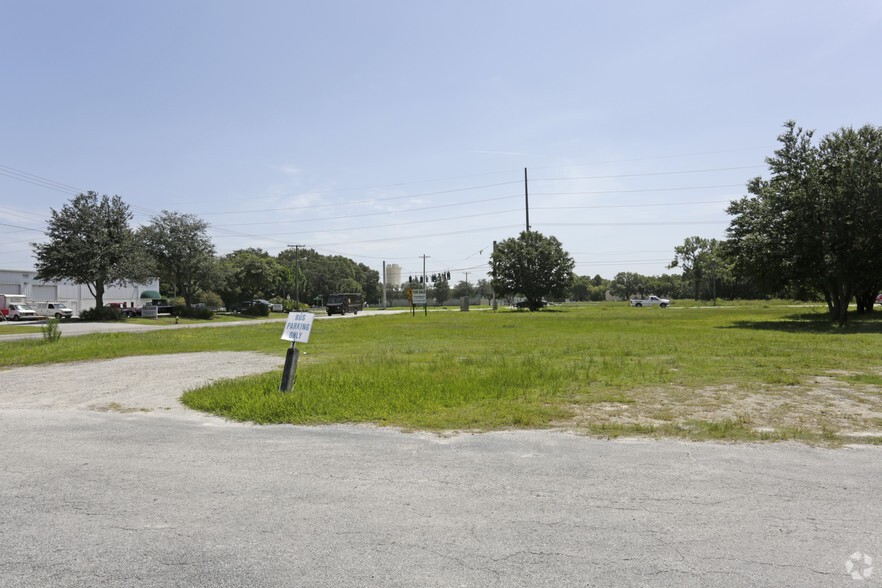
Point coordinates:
pixel 51 330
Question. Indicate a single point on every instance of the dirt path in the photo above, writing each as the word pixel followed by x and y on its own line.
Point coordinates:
pixel 147 383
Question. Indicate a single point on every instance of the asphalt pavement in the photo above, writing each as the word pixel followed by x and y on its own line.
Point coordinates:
pixel 148 499
pixel 74 327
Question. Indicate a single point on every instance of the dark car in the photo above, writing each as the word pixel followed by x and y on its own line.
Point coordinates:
pixel 240 307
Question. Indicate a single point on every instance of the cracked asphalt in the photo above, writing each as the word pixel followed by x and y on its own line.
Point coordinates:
pixel 182 499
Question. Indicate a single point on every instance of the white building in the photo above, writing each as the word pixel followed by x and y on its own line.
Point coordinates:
pixel 76 296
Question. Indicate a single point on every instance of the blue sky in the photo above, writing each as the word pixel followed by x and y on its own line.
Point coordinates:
pixel 390 130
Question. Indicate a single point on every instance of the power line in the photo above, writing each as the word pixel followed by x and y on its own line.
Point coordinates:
pixel 691 171
pixel 631 205
pixel 22 228
pixel 598 192
pixel 30 178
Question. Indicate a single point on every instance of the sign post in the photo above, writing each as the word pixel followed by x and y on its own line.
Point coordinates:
pixel 297 329
pixel 419 297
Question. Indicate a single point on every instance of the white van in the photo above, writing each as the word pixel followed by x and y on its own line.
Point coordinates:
pixel 53 309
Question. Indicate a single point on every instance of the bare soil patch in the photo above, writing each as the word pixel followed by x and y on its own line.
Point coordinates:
pixel 148 383
pixel 824 405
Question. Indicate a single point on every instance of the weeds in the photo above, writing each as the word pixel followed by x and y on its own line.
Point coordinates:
pixel 51 330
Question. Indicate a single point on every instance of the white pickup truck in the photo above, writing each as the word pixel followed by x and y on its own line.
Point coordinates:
pixel 651 301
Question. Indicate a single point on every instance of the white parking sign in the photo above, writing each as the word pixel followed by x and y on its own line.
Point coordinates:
pixel 298 327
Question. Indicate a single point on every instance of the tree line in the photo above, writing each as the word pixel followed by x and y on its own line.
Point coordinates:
pixel 91 241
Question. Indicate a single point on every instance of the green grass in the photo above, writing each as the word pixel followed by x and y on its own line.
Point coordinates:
pixel 747 372
pixel 218 318
pixel 16 329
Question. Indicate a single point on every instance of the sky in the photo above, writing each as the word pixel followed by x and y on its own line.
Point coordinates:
pixel 392 130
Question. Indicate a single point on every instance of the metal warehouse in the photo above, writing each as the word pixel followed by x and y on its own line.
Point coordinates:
pixel 76 296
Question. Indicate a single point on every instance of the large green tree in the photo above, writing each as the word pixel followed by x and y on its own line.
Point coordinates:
pixel 532 265
pixel 702 261
pixel 91 243
pixel 815 222
pixel 463 289
pixel 326 274
pixel 183 253
pixel 627 284
pixel 249 273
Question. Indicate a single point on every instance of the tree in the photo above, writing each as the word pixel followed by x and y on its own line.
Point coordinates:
pixel 581 289
pixel 532 265
pixel 484 290
pixel 625 284
pixel 700 259
pixel 815 222
pixel 249 273
pixel 463 289
pixel 324 275
pixel 442 291
pixel 91 243
pixel 182 251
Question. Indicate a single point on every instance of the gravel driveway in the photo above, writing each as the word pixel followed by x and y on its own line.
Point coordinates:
pixel 146 383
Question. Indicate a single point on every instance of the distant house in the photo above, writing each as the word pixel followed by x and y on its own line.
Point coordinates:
pixel 76 296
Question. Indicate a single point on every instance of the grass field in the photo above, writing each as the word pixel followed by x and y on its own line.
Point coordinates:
pixel 750 372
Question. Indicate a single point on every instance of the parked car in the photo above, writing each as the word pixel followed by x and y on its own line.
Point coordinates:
pixel 20 311
pixel 241 306
pixel 125 309
pixel 53 309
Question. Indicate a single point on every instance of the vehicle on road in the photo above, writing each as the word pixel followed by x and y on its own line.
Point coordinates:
pixel 651 301
pixel 53 309
pixel 344 302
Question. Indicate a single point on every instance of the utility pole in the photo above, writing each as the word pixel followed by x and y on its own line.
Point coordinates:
pixel 526 200
pixel 494 291
pixel 425 285
pixel 296 274
pixel 384 284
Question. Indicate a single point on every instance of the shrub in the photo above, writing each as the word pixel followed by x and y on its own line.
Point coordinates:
pixel 192 312
pixel 257 309
pixel 101 313
pixel 291 305
pixel 210 299
pixel 52 330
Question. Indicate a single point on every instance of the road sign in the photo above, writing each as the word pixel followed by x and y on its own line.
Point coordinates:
pixel 419 296
pixel 298 327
